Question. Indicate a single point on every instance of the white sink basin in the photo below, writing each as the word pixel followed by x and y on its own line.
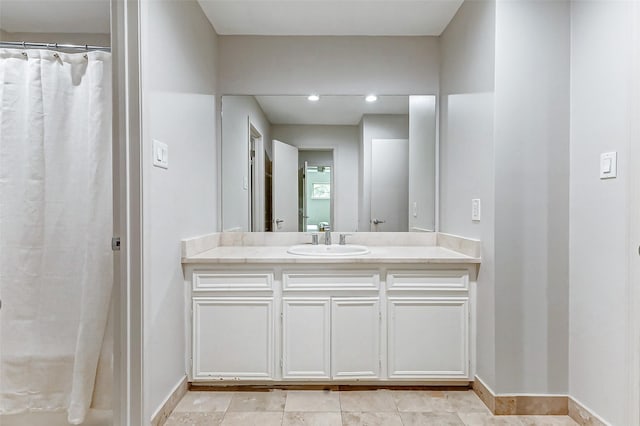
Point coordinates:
pixel 325 250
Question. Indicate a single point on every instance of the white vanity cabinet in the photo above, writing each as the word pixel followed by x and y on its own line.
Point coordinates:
pixel 232 325
pixel 306 338
pixel 331 323
pixel 429 320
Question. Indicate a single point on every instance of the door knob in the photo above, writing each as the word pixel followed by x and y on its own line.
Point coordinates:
pixel 377 221
pixel 279 221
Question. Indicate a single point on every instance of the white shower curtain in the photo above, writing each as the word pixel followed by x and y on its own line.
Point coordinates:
pixel 55 228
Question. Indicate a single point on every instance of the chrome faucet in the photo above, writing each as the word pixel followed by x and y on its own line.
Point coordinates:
pixel 343 239
pixel 327 236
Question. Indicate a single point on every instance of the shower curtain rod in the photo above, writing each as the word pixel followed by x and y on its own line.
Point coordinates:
pixel 31 45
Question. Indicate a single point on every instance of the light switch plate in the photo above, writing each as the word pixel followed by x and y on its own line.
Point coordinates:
pixel 160 154
pixel 475 209
pixel 608 165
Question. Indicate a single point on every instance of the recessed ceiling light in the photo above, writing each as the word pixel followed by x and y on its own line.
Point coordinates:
pixel 371 98
pixel 314 98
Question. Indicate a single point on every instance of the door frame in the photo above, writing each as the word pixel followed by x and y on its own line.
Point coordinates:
pixel 127 148
pixel 256 183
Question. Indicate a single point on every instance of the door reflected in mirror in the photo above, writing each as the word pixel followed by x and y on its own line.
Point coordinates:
pixel 339 163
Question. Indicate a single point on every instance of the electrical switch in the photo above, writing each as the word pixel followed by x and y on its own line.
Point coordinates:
pixel 160 154
pixel 608 165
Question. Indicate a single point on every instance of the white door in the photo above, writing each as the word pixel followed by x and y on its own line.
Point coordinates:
pixel 428 338
pixel 390 185
pixel 306 338
pixel 355 338
pixel 233 338
pixel 285 187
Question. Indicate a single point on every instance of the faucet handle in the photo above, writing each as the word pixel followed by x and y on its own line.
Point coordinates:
pixel 343 239
pixel 314 239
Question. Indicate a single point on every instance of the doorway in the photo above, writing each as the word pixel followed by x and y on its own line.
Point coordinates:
pixel 315 190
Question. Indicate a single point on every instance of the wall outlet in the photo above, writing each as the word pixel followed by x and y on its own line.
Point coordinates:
pixel 415 209
pixel 160 154
pixel 475 209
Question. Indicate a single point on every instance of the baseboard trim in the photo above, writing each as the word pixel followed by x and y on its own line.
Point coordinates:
pixel 583 416
pixel 165 410
pixel 206 387
pixel 521 405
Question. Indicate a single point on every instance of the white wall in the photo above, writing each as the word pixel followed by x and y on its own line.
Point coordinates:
pixel 531 154
pixel 603 51
pixel 178 48
pixel 504 139
pixel 422 162
pixel 343 140
pixel 60 38
pixel 466 153
pixel 238 110
pixel 375 126
pixel 256 65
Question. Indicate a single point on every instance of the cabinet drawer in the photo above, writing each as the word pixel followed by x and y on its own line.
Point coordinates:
pixel 223 281
pixel 348 280
pixel 428 280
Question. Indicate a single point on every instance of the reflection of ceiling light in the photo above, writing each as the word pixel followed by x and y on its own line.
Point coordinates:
pixel 314 98
pixel 371 98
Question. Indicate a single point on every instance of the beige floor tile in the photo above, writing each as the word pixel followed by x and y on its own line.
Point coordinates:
pixel 311 419
pixel 362 401
pixel 435 419
pixel 484 419
pixel 371 419
pixel 258 401
pixel 307 401
pixel 194 419
pixel 547 421
pixel 252 419
pixel 201 402
pixel 465 402
pixel 420 401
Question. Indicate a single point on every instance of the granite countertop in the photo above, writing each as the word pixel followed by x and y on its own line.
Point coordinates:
pixel 378 254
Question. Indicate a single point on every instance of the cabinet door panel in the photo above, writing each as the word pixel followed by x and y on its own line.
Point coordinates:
pixel 355 338
pixel 233 338
pixel 306 338
pixel 428 338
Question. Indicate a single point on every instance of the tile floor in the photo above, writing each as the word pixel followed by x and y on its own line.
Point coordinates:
pixel 352 408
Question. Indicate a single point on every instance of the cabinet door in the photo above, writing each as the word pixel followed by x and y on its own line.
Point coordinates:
pixel 233 338
pixel 306 331
pixel 355 338
pixel 428 338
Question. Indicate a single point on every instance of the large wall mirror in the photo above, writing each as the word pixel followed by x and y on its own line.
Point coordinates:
pixel 340 163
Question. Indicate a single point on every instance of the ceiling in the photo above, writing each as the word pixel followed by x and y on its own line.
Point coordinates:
pixel 250 17
pixel 55 16
pixel 330 17
pixel 329 110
